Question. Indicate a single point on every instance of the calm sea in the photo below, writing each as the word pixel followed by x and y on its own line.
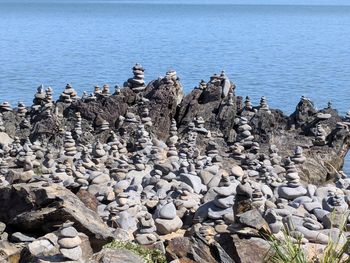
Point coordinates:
pixel 276 49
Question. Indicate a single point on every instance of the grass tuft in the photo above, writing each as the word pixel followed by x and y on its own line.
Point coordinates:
pixel 147 254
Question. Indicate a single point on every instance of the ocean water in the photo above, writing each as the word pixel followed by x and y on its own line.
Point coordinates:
pixel 276 49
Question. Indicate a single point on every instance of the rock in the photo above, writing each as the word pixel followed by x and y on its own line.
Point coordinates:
pixel 36 207
pixel 251 250
pixel 72 253
pixel 5 139
pixel 237 171
pixel 115 256
pixel 253 219
pixel 10 252
pixel 69 232
pixel 165 226
pixel 19 237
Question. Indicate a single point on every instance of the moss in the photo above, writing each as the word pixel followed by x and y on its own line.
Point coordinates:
pixel 149 255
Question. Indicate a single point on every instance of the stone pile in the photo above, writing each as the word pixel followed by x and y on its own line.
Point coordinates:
pixel 70 149
pixel 320 136
pixel 293 188
pixel 137 83
pixel 244 135
pixel 21 109
pixel 69 242
pixel 202 175
pixel 5 106
pixel 68 95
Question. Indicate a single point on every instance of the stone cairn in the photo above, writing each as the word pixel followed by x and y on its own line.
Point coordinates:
pixel 70 149
pixel 146 120
pixel 104 126
pixel 69 242
pixel 320 136
pixel 298 157
pixel 39 97
pixel 166 219
pixel 202 85
pixel 244 136
pixel 263 105
pixel 105 90
pixel 149 188
pixel 21 109
pixel 292 189
pixel 137 83
pixel 248 104
pixel 68 95
pixel 172 140
pixel 5 106
pixel 77 127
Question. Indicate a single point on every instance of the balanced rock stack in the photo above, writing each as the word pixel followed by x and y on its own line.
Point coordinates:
pixel 172 140
pixel 104 126
pixel 199 126
pixel 105 90
pixel 68 95
pixel 48 94
pixel 21 109
pixel 263 105
pixel 298 157
pixel 167 220
pixel 292 189
pixel 320 136
pixel 145 118
pixel 77 127
pixel 69 242
pixel 137 83
pixel 170 77
pixel 202 85
pixel 69 145
pixel 39 95
pixel 147 230
pixel 5 106
pixel 244 136
pixel 248 104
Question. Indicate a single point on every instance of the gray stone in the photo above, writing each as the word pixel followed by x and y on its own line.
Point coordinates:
pixel 72 253
pixel 253 219
pixel 19 237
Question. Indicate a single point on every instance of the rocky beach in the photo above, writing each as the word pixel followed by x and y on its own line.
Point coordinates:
pixel 202 177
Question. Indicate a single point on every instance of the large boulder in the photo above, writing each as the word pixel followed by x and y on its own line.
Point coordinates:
pixel 212 104
pixel 164 98
pixel 39 208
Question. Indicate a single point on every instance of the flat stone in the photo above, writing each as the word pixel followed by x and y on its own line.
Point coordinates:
pixel 19 237
pixel 40 247
pixel 69 242
pixel 291 193
pixel 253 219
pixel 69 232
pixel 72 253
pixel 146 239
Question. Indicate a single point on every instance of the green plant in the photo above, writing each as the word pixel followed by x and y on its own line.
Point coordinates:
pixel 149 255
pixel 335 251
pixel 290 250
pixel 286 250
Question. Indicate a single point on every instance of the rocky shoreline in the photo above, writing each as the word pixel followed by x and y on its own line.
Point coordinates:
pixel 201 177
